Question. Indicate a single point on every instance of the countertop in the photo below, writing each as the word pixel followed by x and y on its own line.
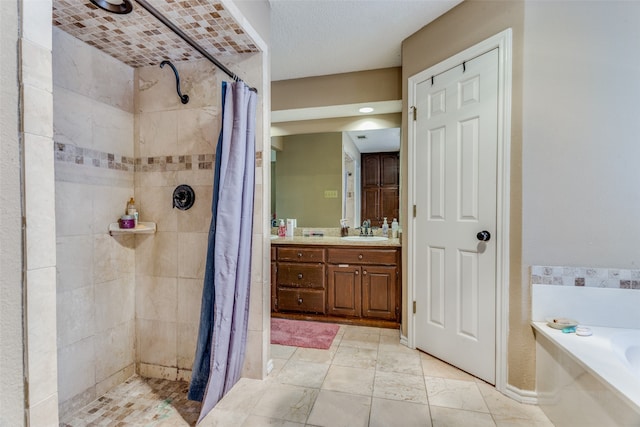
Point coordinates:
pixel 332 241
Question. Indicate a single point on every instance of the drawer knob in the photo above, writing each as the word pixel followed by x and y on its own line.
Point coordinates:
pixel 364 272
pixel 299 300
pixel 299 275
pixel 357 272
pixel 360 256
pixel 299 254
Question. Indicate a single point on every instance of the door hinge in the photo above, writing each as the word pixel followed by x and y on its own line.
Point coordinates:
pixel 414 307
pixel 414 110
pixel 414 211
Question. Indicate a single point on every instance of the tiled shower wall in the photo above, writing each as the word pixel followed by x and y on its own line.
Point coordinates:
pixel 93 133
pixel 175 144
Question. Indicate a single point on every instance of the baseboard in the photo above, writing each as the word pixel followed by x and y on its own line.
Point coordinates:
pixel 529 397
pixel 404 340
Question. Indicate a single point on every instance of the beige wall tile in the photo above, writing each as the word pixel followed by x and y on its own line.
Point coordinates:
pixel 37 112
pixel 197 176
pixel 39 202
pixel 109 203
pixel 115 379
pixel 198 218
pixel 111 81
pixel 156 298
pixel 198 130
pixel 76 368
pixel 36 66
pixel 155 371
pixel 74 208
pixel 71 63
pixel 74 262
pixel 187 341
pixel 112 260
pixel 45 413
pixel 112 129
pixel 41 334
pixel 192 254
pixel 157 255
pixel 114 303
pixel 189 300
pixel 156 342
pixel 156 205
pixel 158 134
pixel 36 22
pixel 75 315
pixel 118 345
pixel 72 118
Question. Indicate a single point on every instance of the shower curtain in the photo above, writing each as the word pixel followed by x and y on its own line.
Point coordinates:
pixel 225 297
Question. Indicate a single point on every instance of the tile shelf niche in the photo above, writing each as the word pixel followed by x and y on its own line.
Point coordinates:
pixel 142 228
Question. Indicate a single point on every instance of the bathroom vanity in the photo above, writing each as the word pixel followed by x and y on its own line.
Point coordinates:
pixel 333 279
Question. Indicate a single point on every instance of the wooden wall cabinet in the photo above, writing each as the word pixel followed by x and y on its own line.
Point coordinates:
pixel 358 284
pixel 380 187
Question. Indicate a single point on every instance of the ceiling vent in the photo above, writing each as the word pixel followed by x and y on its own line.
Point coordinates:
pixel 361 136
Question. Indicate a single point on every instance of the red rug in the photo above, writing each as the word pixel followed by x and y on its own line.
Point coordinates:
pixel 300 333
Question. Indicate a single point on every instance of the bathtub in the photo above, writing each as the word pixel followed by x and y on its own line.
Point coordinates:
pixel 589 381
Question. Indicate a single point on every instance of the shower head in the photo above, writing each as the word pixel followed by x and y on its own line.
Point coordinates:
pixel 114 6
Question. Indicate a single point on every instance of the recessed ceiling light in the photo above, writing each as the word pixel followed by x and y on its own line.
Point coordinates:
pixel 114 6
pixel 366 110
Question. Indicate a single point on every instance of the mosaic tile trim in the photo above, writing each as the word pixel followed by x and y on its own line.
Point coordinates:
pixel 85 156
pixel 139 39
pixel 613 278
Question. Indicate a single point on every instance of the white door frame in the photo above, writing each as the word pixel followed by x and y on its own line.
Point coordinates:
pixel 502 41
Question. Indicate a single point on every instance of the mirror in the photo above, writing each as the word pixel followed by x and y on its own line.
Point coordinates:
pixel 315 177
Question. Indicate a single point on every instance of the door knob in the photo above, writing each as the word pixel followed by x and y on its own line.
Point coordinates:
pixel 483 236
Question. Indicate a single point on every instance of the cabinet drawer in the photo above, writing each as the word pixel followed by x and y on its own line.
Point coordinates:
pixel 304 300
pixel 301 275
pixel 301 254
pixel 361 256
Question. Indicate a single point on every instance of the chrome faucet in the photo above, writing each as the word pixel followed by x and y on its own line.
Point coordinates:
pixel 366 228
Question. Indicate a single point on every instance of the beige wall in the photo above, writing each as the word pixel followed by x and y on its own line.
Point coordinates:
pixel 384 84
pixel 460 28
pixel 95 272
pixel 12 391
pixel 306 167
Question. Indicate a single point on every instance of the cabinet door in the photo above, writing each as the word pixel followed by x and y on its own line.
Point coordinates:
pixel 344 288
pixel 389 171
pixel 370 205
pixel 390 203
pixel 379 290
pixel 370 170
pixel 274 295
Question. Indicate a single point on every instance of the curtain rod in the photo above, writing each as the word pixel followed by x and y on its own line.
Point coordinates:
pixel 160 17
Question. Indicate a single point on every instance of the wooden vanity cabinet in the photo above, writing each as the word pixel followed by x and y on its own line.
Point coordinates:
pixel 300 280
pixel 363 282
pixel 357 285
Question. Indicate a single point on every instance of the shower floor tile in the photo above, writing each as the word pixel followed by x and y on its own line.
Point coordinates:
pixel 139 402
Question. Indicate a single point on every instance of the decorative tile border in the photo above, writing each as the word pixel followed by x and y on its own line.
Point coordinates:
pixel 613 278
pixel 88 157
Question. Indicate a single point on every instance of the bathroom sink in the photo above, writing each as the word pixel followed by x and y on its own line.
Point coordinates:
pixel 365 238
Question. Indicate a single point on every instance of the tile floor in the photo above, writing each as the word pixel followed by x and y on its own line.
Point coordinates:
pixel 139 402
pixel 366 378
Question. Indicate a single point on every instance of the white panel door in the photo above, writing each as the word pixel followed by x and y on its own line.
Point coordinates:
pixel 455 195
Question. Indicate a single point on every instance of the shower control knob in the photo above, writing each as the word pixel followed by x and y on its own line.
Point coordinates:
pixel 483 236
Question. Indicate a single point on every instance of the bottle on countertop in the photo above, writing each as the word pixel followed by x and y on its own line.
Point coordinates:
pixel 131 210
pixel 385 228
pixel 394 228
pixel 282 229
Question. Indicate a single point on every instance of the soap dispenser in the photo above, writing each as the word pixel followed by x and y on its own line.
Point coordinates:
pixel 385 228
pixel 131 210
pixel 282 229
